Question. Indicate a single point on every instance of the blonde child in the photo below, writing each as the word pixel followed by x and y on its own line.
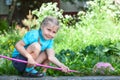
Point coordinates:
pixel 37 47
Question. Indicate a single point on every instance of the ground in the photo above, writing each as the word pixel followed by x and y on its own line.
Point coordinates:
pixel 62 78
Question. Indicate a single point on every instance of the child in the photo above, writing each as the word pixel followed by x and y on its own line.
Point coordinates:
pixel 36 47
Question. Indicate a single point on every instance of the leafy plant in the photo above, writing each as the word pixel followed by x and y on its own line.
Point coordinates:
pixel 93 38
pixel 3 25
pixel 47 9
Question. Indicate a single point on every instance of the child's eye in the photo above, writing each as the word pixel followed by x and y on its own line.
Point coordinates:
pixel 49 29
pixel 54 32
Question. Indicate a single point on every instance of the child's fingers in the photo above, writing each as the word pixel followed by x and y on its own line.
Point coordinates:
pixel 65 69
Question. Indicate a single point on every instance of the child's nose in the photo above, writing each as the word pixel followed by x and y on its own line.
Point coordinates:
pixel 51 34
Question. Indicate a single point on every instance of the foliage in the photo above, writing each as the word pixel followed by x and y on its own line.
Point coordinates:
pixel 99 12
pixel 95 22
pixel 85 60
pixel 47 9
pixel 93 38
pixel 8 41
pixel 3 25
pixel 30 21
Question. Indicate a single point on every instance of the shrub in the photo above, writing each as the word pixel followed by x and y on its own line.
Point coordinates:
pixel 3 25
pixel 47 9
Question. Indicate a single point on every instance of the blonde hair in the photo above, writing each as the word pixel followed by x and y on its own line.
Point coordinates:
pixel 50 21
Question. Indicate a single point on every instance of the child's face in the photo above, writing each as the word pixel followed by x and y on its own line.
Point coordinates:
pixel 49 32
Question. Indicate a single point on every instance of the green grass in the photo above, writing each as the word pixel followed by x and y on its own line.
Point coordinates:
pixel 93 38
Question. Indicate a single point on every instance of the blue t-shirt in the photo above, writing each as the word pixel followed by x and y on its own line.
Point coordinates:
pixel 32 36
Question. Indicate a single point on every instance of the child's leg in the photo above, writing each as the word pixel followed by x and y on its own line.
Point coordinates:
pixel 34 50
pixel 46 62
pixel 43 58
pixel 19 65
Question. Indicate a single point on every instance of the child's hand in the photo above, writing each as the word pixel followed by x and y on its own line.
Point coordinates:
pixel 31 62
pixel 65 68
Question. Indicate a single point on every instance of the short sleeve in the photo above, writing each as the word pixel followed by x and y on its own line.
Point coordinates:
pixel 29 38
pixel 50 44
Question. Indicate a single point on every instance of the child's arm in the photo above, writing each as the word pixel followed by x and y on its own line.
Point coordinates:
pixel 53 59
pixel 20 47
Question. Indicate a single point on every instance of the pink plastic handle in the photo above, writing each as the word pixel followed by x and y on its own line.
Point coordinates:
pixel 18 60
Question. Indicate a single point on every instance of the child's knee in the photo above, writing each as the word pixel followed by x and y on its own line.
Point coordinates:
pixel 36 46
pixel 34 49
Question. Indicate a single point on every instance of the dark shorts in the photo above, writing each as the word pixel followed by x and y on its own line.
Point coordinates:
pixel 19 65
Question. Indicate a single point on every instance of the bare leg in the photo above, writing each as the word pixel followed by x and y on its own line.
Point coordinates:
pixel 39 57
pixel 45 63
pixel 34 50
pixel 43 59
